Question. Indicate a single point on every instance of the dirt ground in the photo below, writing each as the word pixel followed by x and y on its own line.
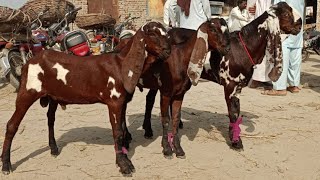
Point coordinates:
pixel 280 137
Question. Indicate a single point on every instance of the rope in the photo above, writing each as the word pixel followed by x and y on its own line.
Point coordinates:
pixel 245 48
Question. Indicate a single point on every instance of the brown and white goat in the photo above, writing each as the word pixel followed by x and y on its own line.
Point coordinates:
pixel 111 78
pixel 173 82
pixel 234 70
pixel 247 48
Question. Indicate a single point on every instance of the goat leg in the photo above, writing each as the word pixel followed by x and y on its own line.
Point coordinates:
pixel 176 118
pixel 51 119
pixel 23 102
pixel 180 121
pixel 127 136
pixel 164 105
pixel 118 129
pixel 233 103
pixel 150 98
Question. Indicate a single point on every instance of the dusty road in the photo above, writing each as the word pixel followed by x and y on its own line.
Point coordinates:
pixel 280 137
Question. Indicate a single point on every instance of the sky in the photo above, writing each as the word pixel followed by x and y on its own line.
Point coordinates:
pixel 15 4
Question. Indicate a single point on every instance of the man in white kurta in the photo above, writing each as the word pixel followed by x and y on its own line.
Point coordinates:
pixel 260 74
pixel 199 12
pixel 239 16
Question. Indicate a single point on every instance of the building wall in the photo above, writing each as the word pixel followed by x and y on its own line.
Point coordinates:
pixel 81 3
pixel 137 8
pixel 145 9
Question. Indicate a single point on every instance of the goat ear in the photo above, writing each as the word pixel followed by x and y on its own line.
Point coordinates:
pixel 274 55
pixel 198 57
pixel 133 63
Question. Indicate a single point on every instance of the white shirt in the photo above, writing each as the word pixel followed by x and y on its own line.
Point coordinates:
pixel 238 19
pixel 199 12
pixel 168 17
pixel 262 6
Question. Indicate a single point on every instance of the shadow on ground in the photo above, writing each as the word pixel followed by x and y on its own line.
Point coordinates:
pixel 194 120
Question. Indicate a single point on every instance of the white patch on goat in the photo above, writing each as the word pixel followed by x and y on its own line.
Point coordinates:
pixel 33 82
pixel 101 93
pixel 225 74
pixel 224 28
pixel 141 39
pixel 162 32
pixel 115 118
pixel 61 72
pixel 114 92
pixel 204 36
pixel 130 73
pixel 206 65
pixel 271 24
pixel 145 54
pixel 235 93
pixel 111 80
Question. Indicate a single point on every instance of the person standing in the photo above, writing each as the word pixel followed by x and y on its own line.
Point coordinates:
pixel 239 16
pixel 292 57
pixel 260 74
pixel 191 13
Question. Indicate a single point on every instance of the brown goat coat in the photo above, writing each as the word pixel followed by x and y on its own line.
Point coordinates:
pixel 66 79
pixel 174 81
pixel 234 70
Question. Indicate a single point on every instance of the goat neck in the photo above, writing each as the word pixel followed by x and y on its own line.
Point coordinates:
pixel 255 38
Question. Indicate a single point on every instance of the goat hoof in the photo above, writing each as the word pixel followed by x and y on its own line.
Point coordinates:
pixel 126 166
pixel 237 145
pixel 55 152
pixel 6 168
pixel 180 154
pixel 167 152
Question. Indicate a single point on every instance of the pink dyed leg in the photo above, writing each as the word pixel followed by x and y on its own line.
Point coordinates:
pixel 236 130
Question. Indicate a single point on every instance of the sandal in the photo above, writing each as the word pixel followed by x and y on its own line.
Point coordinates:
pixel 293 89
pixel 273 92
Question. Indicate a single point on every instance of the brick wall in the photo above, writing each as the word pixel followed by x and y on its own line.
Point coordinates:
pixel 80 3
pixel 137 8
